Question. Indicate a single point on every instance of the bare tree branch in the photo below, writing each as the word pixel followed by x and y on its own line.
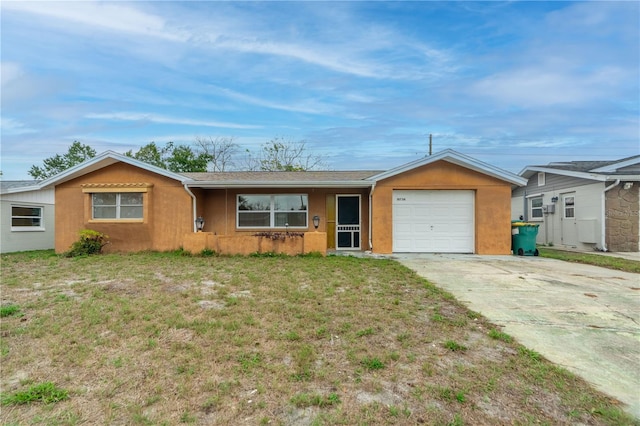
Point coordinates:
pixel 221 151
pixel 286 155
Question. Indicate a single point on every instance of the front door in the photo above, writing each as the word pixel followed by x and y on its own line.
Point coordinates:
pixel 569 226
pixel 348 222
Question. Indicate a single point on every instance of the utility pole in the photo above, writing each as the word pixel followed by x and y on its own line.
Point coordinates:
pixel 430 143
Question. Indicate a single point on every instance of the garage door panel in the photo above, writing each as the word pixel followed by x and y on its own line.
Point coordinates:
pixel 433 221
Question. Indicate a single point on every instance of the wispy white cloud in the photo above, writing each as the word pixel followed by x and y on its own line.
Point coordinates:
pixel 308 106
pixel 161 119
pixel 14 127
pixel 538 87
pixel 9 72
pixel 109 16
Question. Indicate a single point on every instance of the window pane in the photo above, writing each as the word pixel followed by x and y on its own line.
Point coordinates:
pixel 290 202
pixel 131 199
pixel 250 219
pixel 25 211
pixel 131 212
pixel 348 210
pixel 100 212
pixel 344 239
pixel 536 213
pixel 104 199
pixel 298 219
pixel 254 202
pixel 569 212
pixel 25 221
pixel 536 202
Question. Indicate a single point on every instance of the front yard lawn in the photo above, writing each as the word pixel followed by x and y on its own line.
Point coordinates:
pixel 163 338
pixel 610 262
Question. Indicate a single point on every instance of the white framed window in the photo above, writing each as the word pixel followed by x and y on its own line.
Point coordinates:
pixel 535 209
pixel 569 206
pixel 272 211
pixel 117 205
pixel 541 179
pixel 27 218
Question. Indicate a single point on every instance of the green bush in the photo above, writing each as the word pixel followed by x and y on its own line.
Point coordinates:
pixel 90 242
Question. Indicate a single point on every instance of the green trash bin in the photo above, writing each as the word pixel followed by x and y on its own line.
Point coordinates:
pixel 523 238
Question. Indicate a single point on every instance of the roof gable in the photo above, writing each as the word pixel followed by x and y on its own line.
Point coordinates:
pixel 459 159
pixel 102 160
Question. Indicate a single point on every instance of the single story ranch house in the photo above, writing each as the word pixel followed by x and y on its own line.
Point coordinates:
pixel 447 202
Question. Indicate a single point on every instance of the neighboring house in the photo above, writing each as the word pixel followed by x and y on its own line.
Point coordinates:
pixel 587 205
pixel 447 202
pixel 26 216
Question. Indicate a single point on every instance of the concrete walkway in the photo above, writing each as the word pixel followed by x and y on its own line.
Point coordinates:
pixel 582 317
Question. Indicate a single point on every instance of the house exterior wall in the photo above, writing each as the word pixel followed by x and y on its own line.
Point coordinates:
pixel 553 182
pixel 167 211
pixel 13 241
pixel 584 232
pixel 492 204
pixel 218 208
pixel 623 219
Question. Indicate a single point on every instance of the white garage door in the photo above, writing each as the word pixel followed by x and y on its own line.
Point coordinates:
pixel 433 221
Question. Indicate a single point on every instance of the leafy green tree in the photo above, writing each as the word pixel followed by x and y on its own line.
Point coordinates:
pixel 184 159
pixel 180 158
pixel 152 154
pixel 76 154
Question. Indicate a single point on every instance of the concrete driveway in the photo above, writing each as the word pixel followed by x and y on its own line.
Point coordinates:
pixel 584 318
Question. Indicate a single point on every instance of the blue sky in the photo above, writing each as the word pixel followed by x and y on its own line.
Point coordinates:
pixel 363 83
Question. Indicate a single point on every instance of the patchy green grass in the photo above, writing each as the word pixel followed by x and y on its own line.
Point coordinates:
pixel 47 393
pixel 610 262
pixel 164 338
pixel 8 310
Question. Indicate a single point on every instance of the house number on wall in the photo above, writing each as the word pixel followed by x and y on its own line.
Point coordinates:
pixel 401 199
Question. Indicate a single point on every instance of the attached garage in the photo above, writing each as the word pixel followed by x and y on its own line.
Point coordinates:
pixel 433 221
pixel 443 203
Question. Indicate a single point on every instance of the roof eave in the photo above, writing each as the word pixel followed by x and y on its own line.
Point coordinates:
pixel 21 189
pixel 615 166
pixel 278 184
pixel 528 172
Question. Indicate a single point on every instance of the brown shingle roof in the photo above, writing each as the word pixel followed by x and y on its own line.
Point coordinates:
pixel 308 176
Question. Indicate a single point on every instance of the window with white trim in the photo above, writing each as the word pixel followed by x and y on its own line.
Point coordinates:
pixel 541 179
pixel 27 218
pixel 535 210
pixel 116 205
pixel 569 207
pixel 272 211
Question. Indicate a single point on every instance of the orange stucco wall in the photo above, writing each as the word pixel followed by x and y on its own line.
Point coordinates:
pixel 167 211
pixel 310 242
pixel 218 207
pixel 492 204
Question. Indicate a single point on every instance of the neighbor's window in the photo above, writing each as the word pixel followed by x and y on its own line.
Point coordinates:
pixel 26 218
pixel 541 178
pixel 569 207
pixel 536 208
pixel 117 205
pixel 272 211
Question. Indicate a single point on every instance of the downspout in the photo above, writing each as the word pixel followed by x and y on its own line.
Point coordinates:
pixel 373 188
pixel 603 236
pixel 193 198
